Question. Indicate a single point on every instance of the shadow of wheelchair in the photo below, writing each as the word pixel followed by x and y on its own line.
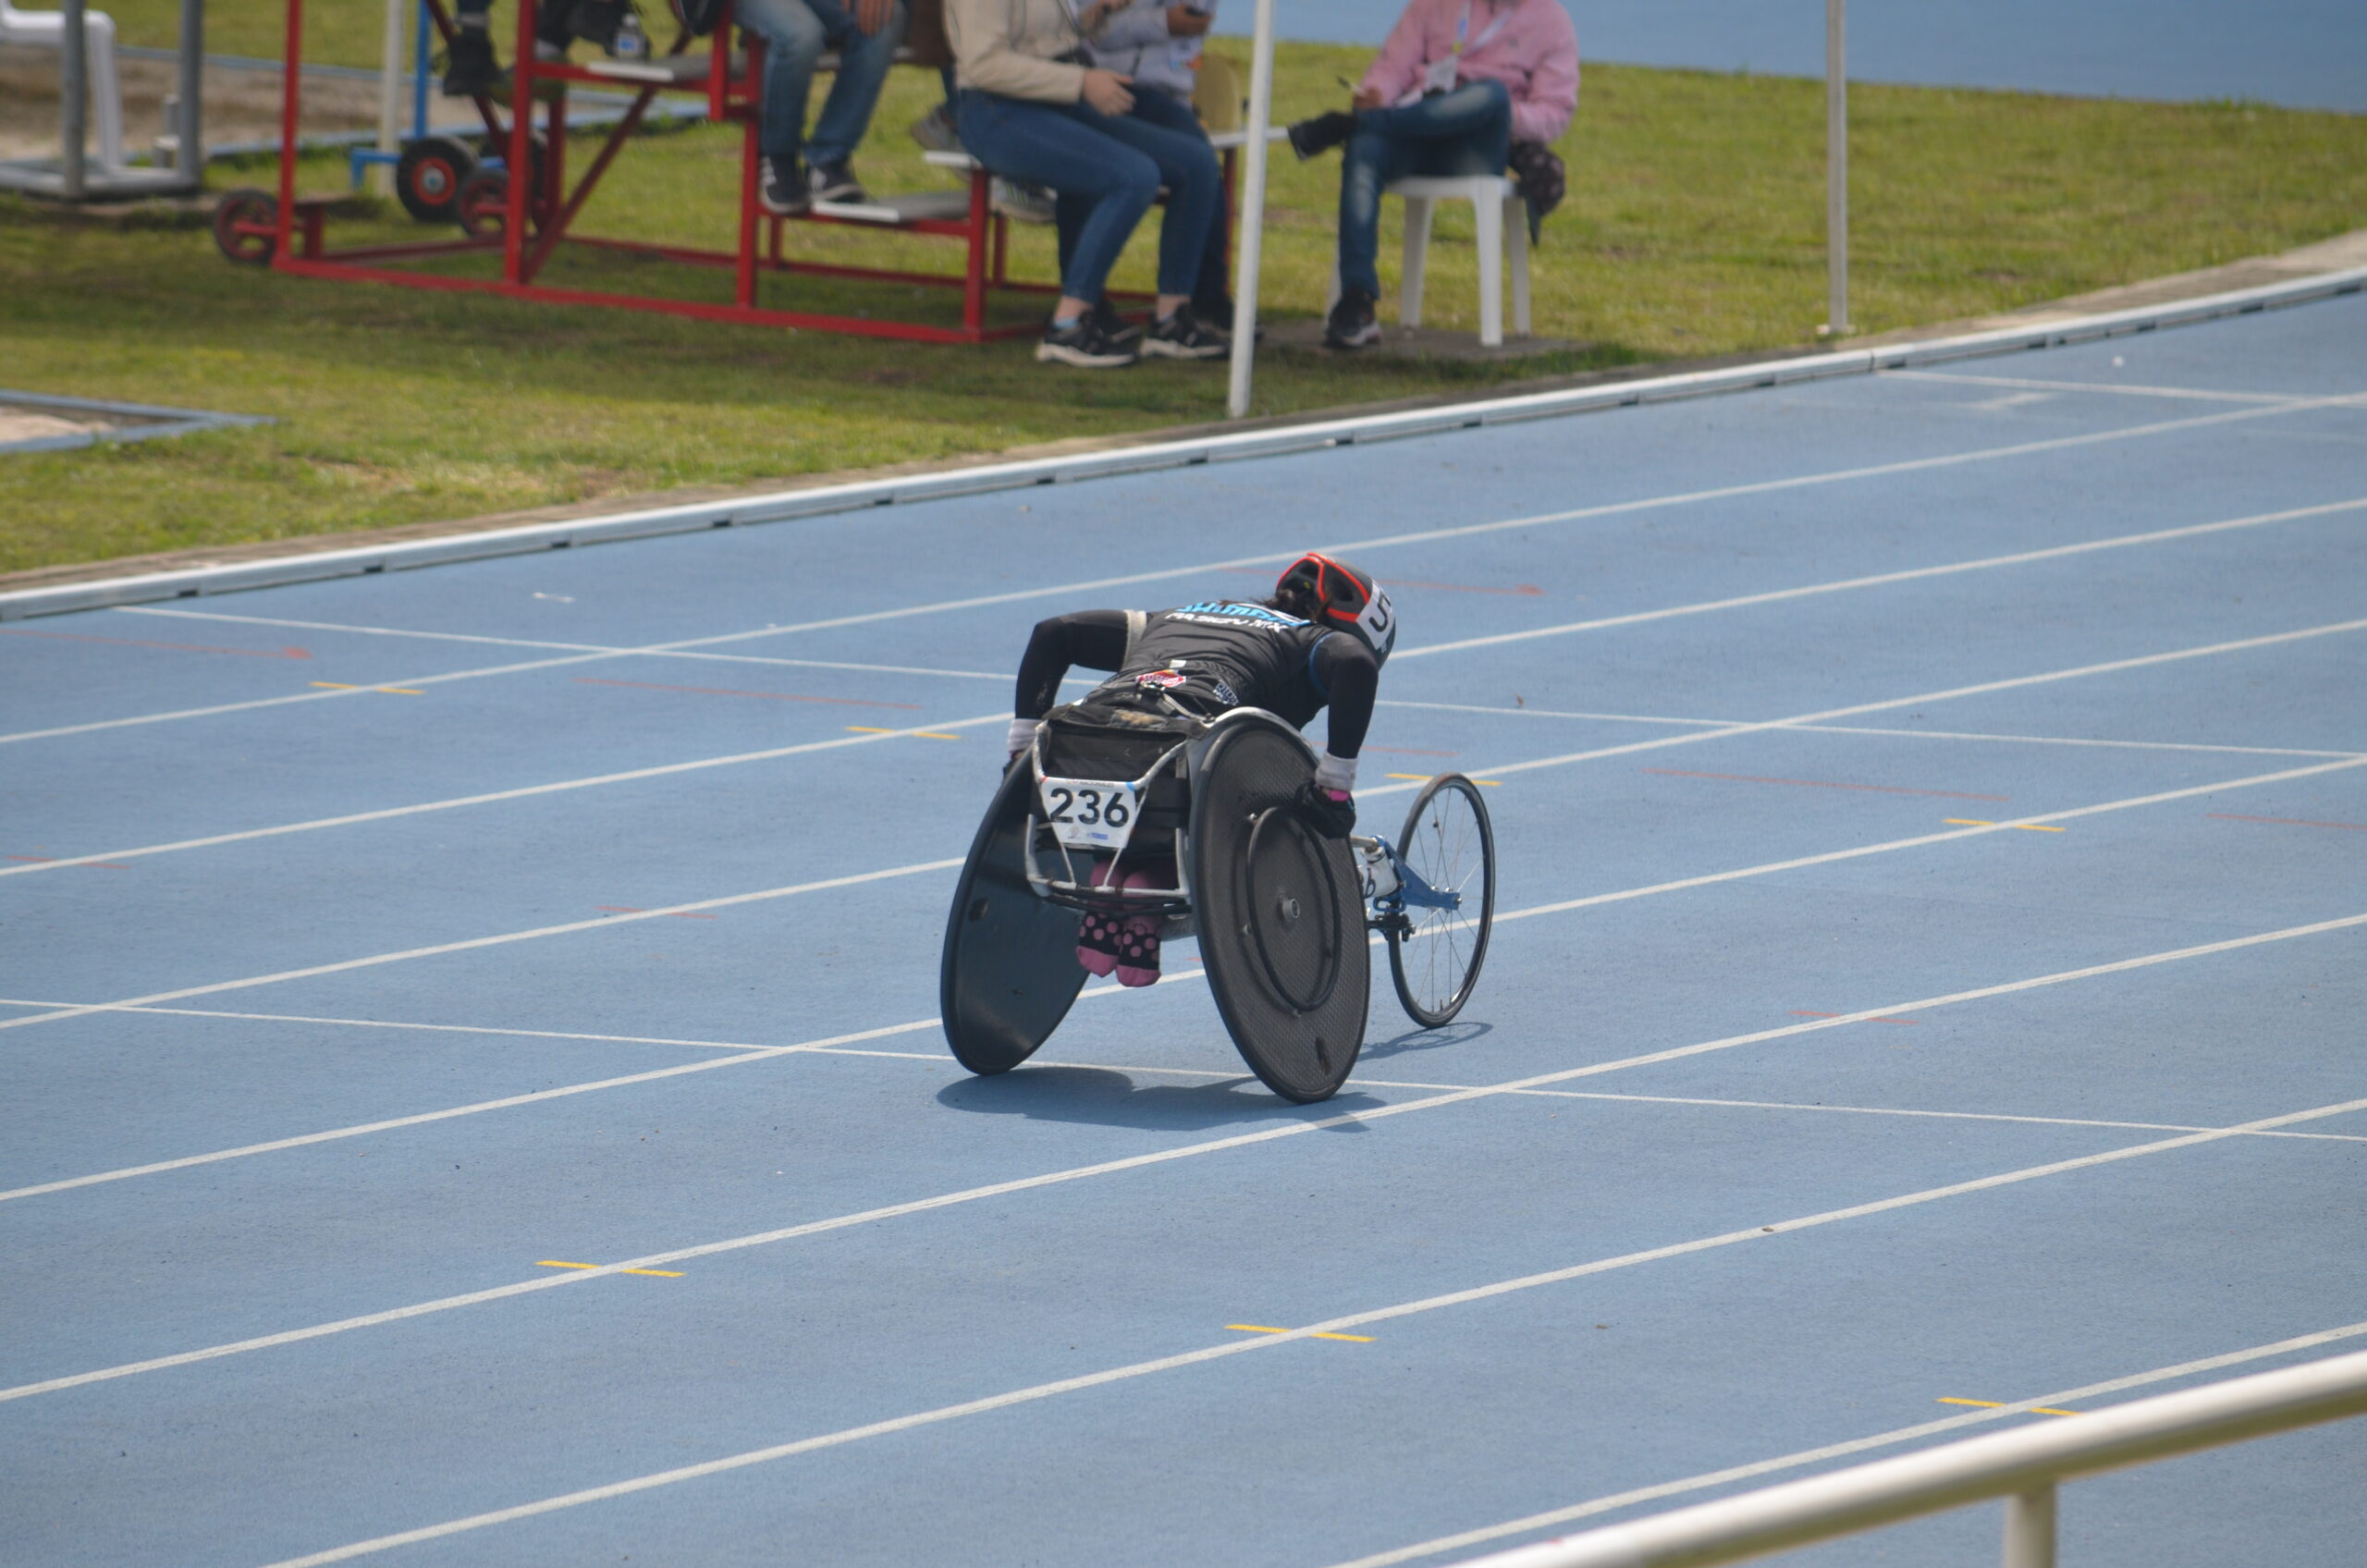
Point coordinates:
pixel 1461 1031
pixel 1106 1097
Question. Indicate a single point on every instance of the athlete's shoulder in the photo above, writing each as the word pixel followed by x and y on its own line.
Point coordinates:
pixel 1232 612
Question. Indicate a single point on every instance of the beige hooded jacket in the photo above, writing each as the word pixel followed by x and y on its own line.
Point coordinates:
pixel 1011 47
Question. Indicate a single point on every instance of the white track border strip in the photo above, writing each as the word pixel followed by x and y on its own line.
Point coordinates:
pixel 992 1403
pixel 1854 1445
pixel 786 506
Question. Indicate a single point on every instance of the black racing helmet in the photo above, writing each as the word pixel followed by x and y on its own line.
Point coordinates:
pixel 1342 598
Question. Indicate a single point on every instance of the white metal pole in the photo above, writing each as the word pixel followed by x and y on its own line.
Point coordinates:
pixel 74 83
pixel 390 94
pixel 189 151
pixel 1836 170
pixel 1253 210
pixel 2029 1528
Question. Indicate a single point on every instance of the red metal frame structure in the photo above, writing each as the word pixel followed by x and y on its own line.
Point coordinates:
pixel 542 211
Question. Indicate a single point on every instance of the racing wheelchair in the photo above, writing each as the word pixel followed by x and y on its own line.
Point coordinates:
pixel 1280 907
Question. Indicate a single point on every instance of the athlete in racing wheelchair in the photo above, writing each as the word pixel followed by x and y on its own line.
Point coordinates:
pixel 1178 798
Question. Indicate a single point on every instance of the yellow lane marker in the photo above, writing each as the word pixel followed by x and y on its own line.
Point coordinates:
pixel 917 734
pixel 345 686
pixel 1976 822
pixel 1263 1328
pixel 2000 1404
pixel 661 1273
pixel 1424 778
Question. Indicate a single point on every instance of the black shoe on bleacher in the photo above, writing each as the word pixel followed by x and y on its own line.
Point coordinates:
pixel 836 182
pixel 1352 324
pixel 1082 343
pixel 1185 337
pixel 1120 332
pixel 780 188
pixel 1331 129
pixel 470 68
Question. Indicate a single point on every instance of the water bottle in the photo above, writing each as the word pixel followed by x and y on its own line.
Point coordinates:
pixel 630 43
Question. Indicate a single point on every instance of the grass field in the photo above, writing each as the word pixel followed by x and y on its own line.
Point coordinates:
pixel 1693 227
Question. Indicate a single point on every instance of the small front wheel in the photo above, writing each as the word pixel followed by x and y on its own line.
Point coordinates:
pixel 246 226
pixel 483 204
pixel 1447 862
pixel 428 178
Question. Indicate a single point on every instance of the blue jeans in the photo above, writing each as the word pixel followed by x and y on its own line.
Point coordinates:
pixel 795 32
pixel 1106 171
pixel 1465 131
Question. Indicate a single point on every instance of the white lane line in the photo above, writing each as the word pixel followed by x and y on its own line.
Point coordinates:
pixel 1240 1347
pixel 939 1058
pixel 386 1024
pixel 1829 857
pixel 1721 493
pixel 2194 393
pixel 1884 578
pixel 1919 734
pixel 499 939
pixel 1855 1445
pixel 1619 896
pixel 1986 688
pixel 564 647
pixel 1844 1110
pixel 1188 1151
pixel 494 797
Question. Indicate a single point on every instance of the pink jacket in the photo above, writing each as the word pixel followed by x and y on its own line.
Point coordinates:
pixel 1534 54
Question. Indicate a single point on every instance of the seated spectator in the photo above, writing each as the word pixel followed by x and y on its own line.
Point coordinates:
pixel 1456 85
pixel 471 69
pixel 1032 109
pixel 1156 44
pixel 865 33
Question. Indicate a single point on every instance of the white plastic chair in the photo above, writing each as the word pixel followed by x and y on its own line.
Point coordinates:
pixel 46 29
pixel 1500 220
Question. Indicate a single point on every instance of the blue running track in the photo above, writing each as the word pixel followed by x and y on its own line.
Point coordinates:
pixel 1930 958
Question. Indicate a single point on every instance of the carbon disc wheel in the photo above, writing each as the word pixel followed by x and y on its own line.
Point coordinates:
pixel 1448 852
pixel 1280 917
pixel 1008 974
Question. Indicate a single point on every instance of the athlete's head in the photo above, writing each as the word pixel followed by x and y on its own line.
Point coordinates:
pixel 1332 593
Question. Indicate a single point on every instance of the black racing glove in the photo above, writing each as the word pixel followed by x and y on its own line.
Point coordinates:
pixel 1333 812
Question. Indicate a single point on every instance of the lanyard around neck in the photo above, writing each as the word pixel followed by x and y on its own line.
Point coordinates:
pixel 1462 29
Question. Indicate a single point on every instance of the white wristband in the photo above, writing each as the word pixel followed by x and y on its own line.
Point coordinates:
pixel 1023 735
pixel 1336 773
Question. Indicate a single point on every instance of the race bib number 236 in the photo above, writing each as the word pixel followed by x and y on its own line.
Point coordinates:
pixel 1089 813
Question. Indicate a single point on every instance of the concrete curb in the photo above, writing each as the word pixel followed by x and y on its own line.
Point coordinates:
pixel 155 422
pixel 786 505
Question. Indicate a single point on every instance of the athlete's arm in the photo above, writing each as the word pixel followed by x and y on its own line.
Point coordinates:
pixel 1096 639
pixel 1351 676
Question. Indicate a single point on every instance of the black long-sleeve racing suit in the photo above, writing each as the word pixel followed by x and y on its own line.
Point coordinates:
pixel 1210 656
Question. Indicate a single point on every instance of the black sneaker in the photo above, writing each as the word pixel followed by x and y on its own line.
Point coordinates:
pixel 470 70
pixel 1185 337
pixel 1116 329
pixel 1352 324
pixel 1081 342
pixel 1331 129
pixel 780 188
pixel 1219 314
pixel 836 182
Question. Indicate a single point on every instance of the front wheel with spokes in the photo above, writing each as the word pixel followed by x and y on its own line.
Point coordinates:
pixel 1447 864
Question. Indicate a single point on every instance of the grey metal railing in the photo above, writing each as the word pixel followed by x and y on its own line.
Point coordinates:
pixel 2024 1467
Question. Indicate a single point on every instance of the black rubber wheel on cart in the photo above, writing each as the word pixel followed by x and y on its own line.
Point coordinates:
pixel 1009 972
pixel 1451 846
pixel 1281 919
pixel 483 204
pixel 429 175
pixel 245 227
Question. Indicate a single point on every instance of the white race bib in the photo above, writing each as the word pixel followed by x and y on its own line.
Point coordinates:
pixel 1090 813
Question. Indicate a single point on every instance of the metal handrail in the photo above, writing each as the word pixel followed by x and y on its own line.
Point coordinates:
pixel 2023 1468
